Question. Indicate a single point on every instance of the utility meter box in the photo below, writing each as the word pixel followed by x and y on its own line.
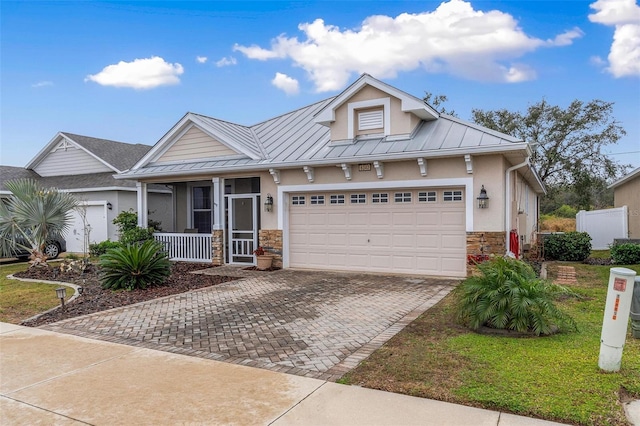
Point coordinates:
pixel 616 317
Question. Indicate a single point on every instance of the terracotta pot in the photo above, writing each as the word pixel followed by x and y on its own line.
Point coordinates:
pixel 264 262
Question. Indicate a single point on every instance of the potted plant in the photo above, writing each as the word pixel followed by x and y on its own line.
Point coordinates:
pixel 263 259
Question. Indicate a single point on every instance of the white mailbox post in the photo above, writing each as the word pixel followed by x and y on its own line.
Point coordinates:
pixel 616 318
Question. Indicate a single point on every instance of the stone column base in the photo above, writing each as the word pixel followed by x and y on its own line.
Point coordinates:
pixel 217 247
pixel 271 241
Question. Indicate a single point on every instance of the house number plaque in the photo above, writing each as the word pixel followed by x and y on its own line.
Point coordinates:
pixel 364 167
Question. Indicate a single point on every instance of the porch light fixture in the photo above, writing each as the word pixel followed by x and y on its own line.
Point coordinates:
pixel 61 292
pixel 483 199
pixel 109 206
pixel 268 204
pixel 80 290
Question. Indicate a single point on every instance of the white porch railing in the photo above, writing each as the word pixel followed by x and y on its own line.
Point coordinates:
pixel 186 247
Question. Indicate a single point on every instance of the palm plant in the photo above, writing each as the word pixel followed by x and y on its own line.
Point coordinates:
pixel 31 216
pixel 508 295
pixel 134 266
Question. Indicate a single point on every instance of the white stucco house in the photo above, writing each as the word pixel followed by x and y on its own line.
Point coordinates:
pixel 372 179
pixel 85 166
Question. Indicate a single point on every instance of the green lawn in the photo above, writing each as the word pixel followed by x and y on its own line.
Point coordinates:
pixel 555 378
pixel 20 300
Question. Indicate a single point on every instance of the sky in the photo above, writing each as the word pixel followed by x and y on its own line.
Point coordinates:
pixel 128 71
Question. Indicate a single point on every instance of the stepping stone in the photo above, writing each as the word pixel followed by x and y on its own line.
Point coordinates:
pixel 566 275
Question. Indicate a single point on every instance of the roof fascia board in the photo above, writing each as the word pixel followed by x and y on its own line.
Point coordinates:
pixel 229 143
pixel 632 174
pixel 409 103
pixel 454 152
pixel 160 145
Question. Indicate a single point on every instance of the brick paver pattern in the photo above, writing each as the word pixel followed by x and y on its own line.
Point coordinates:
pixel 309 323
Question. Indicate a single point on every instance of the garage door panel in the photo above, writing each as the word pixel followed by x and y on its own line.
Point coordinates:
pixel 452 218
pixel 403 241
pixel 413 237
pixel 338 218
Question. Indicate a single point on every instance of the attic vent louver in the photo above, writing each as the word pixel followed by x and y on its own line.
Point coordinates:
pixel 370 120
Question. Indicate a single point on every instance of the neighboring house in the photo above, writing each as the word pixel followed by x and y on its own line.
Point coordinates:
pixel 626 192
pixel 85 166
pixel 371 180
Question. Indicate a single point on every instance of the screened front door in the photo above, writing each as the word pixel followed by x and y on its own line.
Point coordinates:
pixel 242 227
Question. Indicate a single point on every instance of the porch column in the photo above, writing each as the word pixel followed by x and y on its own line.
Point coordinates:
pixel 218 203
pixel 141 189
pixel 217 229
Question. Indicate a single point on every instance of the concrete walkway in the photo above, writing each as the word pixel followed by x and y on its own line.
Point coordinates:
pixel 51 378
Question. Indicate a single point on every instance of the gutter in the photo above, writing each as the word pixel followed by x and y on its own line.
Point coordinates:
pixel 507 204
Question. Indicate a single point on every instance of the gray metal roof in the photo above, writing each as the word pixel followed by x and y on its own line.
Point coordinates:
pixel 120 155
pixel 294 139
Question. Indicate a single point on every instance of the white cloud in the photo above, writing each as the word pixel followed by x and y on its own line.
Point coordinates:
pixel 42 84
pixel 140 74
pixel 454 38
pixel 287 84
pixel 624 16
pixel 201 59
pixel 224 62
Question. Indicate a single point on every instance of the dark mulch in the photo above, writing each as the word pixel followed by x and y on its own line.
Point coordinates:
pixel 598 261
pixel 255 268
pixel 95 299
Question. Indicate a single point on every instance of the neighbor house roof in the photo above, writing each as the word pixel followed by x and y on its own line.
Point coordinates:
pixel 118 156
pixel 626 178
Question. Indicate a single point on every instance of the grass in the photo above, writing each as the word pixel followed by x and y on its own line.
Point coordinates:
pixel 555 378
pixel 20 300
pixel 557 224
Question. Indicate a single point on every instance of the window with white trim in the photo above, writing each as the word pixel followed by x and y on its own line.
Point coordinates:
pixel 451 195
pixel 427 197
pixel 317 200
pixel 201 208
pixel 358 198
pixel 298 200
pixel 336 199
pixel 369 120
pixel 402 197
pixel 379 198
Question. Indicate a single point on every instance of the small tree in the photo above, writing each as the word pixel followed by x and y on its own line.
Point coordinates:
pixel 31 216
pixel 128 230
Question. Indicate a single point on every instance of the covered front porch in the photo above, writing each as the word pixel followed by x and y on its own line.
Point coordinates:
pixel 215 220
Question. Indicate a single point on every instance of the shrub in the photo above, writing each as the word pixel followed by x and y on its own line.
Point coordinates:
pixel 98 249
pixel 128 230
pixel 571 246
pixel 508 295
pixel 625 254
pixel 134 266
pixel 565 211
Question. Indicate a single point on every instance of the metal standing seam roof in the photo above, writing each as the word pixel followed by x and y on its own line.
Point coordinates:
pixel 295 139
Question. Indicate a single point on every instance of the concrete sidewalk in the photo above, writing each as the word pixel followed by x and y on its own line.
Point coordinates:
pixel 51 378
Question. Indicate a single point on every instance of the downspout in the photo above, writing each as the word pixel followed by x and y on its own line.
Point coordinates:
pixel 507 198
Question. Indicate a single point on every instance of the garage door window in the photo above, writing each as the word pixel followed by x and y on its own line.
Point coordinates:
pixel 379 198
pixel 298 200
pixel 337 199
pixel 452 195
pixel 427 197
pixel 317 200
pixel 402 197
pixel 358 198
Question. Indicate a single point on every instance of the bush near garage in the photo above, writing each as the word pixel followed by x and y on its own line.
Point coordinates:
pixel 570 246
pixel 625 254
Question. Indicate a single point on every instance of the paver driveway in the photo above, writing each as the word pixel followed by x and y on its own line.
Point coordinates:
pixel 315 324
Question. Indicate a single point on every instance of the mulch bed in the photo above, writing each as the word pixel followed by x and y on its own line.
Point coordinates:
pixel 95 299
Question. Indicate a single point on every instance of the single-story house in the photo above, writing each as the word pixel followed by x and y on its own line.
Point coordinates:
pixel 85 166
pixel 373 179
pixel 626 192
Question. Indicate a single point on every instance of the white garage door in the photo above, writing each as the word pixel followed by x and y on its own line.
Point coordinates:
pixel 402 231
pixel 97 220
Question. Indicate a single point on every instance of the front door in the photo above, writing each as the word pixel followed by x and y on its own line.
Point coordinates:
pixel 242 228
